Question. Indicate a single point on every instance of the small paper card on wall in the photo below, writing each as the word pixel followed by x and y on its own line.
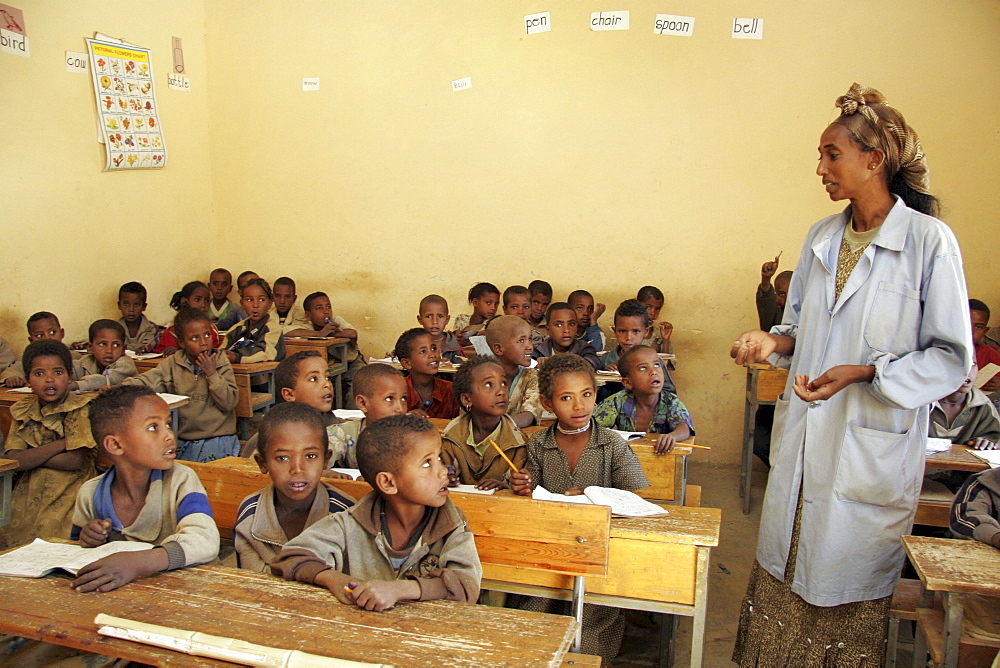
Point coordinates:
pixel 535 23
pixel 310 84
pixel 609 20
pixel 13 33
pixel 748 28
pixel 670 24
pixel 126 106
pixel 461 84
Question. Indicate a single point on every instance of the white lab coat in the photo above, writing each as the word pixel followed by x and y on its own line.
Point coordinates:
pixel 860 455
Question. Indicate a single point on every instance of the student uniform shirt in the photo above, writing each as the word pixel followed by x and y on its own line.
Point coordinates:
pixel 144 337
pixel 227 316
pixel 976 509
pixel 6 355
pixel 606 461
pixel 619 412
pixel 578 347
pixel 91 378
pixel 210 410
pixel 524 395
pixel 176 515
pixel 15 370
pixel 978 419
pixel 479 461
pixel 262 342
pixel 258 535
pixel 294 319
pixel 442 404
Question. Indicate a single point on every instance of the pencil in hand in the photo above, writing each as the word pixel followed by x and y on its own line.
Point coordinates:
pixel 504 455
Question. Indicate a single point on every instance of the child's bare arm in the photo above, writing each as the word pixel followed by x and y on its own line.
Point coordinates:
pixel 115 570
pixel 70 460
pixel 523 419
pixel 666 442
pixel 32 458
pixel 767 270
pixel 379 595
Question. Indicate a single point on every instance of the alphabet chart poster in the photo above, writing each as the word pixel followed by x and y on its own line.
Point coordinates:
pixel 126 106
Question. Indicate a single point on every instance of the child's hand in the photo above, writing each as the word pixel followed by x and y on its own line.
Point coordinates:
pixel 573 491
pixel 520 482
pixel 143 350
pixel 336 475
pixel 611 367
pixel 599 310
pixel 664 444
pixel 982 444
pixel 95 533
pixel 340 585
pixel 328 330
pixel 231 356
pixel 108 573
pixel 992 385
pixel 491 483
pixel 454 479
pixel 379 595
pixel 15 381
pixel 753 346
pixel 666 329
pixel 996 540
pixel 421 412
pixel 768 268
pixel 73 386
pixel 169 350
pixel 207 362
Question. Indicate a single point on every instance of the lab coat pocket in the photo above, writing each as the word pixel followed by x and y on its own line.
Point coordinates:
pixel 894 319
pixel 871 467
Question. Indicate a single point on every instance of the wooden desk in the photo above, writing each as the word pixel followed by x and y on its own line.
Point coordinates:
pixel 764 384
pixel 268 610
pixel 444 367
pixel 7 467
pixel 935 509
pixel 954 568
pixel 333 347
pixel 659 564
pixel 958 458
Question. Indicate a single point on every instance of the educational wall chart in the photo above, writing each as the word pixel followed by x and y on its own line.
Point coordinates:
pixel 126 106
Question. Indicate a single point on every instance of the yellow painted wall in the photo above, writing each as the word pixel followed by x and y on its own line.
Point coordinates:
pixel 603 160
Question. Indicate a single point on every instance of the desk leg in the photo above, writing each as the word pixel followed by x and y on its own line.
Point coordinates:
pixel 954 609
pixel 175 420
pixel 919 641
pixel 746 478
pixel 700 607
pixel 6 483
pixel 579 589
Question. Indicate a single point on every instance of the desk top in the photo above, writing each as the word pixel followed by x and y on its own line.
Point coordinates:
pixel 249 368
pixel 314 341
pixel 958 458
pixel 7 465
pixel 268 610
pixel 961 566
pixel 444 367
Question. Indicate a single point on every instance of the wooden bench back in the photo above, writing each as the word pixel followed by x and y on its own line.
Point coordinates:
pixel 510 531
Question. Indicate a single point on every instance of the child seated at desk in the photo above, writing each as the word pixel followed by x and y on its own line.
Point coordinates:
pixel 7 358
pixel 659 337
pixel 516 301
pixel 540 296
pixel 244 278
pixel 771 300
pixel 509 337
pixel 143 497
pixel 979 314
pixel 966 416
pixel 141 334
pixel 433 316
pixel 322 323
pixel 256 338
pixel 483 297
pixel 975 512
pixel 207 423
pixel 193 295
pixel 222 310
pixel 647 403
pixel 428 396
pixel 569 456
pixel 587 313
pixel 50 440
pixel 286 311
pixel 106 364
pixel 404 541
pixel 292 448
pixel 467 442
pixel 561 326
pixel 42 326
pixel 380 391
pixel 632 326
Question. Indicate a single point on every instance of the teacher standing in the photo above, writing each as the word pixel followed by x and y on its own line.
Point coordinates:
pixel 876 327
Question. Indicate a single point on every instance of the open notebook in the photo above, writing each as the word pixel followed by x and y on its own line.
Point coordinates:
pixel 40 557
pixel 621 502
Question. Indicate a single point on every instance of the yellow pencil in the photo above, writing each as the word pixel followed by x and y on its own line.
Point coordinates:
pixel 692 445
pixel 505 457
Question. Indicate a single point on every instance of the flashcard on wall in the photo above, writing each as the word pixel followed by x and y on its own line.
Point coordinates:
pixel 76 62
pixel 310 84
pixel 670 24
pixel 535 23
pixel 461 84
pixel 13 33
pixel 609 20
pixel 748 28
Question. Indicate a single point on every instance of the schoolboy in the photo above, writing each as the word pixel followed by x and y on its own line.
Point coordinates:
pixel 587 313
pixel 771 300
pixel 467 442
pixel 207 429
pixel 540 296
pixel 660 333
pixel 41 326
pixel 50 440
pixel 976 509
pixel 106 364
pixel 429 396
pixel 601 458
pixel 632 325
pixel 433 316
pixel 140 332
pixel 244 278
pixel 646 404
pixel 509 339
pixel 257 338
pixel 979 313
pixel 323 323
pixel 292 448
pixel 405 540
pixel 285 309
pixel 380 391
pixel 966 416
pixel 223 311
pixel 7 358
pixel 483 298
pixel 516 301
pixel 144 496
pixel 561 329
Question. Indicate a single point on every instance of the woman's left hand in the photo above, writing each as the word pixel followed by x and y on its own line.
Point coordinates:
pixel 834 380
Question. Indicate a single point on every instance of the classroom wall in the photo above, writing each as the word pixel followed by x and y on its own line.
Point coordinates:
pixel 603 160
pixel 71 232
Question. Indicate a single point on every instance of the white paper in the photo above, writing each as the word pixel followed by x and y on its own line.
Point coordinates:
pixel 985 374
pixel 349 414
pixel 310 84
pixel 542 494
pixel 143 356
pixel 622 502
pixel 629 435
pixel 938 445
pixel 461 84
pixel 382 360
pixel 671 24
pixel 748 28
pixel 14 33
pixel 21 390
pixel 991 457
pixel 76 62
pixel 609 20
pixel 39 557
pixel 172 399
pixel 178 82
pixel 471 489
pixel 479 343
pixel 536 23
